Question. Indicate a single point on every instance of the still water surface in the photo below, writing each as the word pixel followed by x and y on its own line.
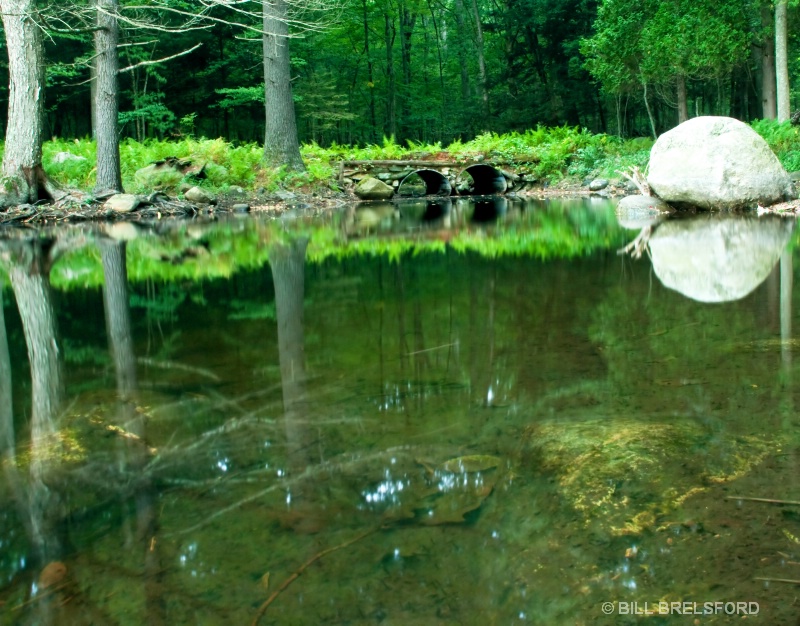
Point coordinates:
pixel 459 414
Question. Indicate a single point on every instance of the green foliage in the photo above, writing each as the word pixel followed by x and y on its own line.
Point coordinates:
pixel 784 139
pixel 72 172
pixel 240 96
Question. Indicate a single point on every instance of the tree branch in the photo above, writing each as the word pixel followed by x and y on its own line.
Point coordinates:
pixel 156 61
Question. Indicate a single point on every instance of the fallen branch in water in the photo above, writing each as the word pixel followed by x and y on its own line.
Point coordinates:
pixel 766 500
pixel 296 574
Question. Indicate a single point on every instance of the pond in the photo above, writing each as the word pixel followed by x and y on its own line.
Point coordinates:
pixel 458 412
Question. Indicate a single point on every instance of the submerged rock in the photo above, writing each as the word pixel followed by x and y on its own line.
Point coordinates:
pixel 716 163
pixel 373 189
pixel 636 212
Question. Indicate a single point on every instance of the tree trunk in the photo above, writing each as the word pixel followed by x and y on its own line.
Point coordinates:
pixel 484 93
pixel 370 74
pixel 683 107
pixel 649 111
pixel 461 29
pixel 391 87
pixel 407 21
pixel 443 93
pixel 782 61
pixel 769 107
pixel 106 99
pixel 22 160
pixel 281 147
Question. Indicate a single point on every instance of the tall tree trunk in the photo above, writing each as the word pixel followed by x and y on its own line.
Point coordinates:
pixel 370 74
pixel 443 121
pixel 782 60
pixel 391 83
pixel 106 99
pixel 461 29
pixel 281 146
pixel 649 110
pixel 683 107
pixel 22 160
pixel 484 93
pixel 769 106
pixel 407 21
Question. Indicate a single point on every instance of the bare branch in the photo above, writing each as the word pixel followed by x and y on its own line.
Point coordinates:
pixel 156 61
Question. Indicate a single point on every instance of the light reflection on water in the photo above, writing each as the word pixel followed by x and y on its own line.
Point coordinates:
pixel 449 437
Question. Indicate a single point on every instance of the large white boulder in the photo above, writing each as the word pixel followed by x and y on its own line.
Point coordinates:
pixel 716 163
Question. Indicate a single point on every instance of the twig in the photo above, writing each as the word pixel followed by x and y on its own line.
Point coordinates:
pixel 42 596
pixel 636 247
pixel 778 580
pixel 767 500
pixel 638 179
pixel 447 345
pixel 296 574
pixel 130 68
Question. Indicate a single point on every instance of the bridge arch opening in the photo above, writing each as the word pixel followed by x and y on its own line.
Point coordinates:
pixel 481 180
pixel 424 183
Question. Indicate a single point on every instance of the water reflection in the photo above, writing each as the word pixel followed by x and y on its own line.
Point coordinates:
pixel 717 259
pixel 497 423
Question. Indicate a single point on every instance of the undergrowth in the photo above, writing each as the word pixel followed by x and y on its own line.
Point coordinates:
pixel 550 153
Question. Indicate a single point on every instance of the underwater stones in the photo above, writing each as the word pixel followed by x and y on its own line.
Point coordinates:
pixel 636 212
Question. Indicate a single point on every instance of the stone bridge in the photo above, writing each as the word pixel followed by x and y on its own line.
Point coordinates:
pixel 440 178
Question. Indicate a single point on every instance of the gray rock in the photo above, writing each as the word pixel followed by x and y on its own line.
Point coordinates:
pixel 198 196
pixel 240 208
pixel 636 212
pixel 236 190
pixel 285 195
pixel 716 163
pixel 717 259
pixel 373 189
pixel 63 157
pixel 597 184
pixel 122 203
